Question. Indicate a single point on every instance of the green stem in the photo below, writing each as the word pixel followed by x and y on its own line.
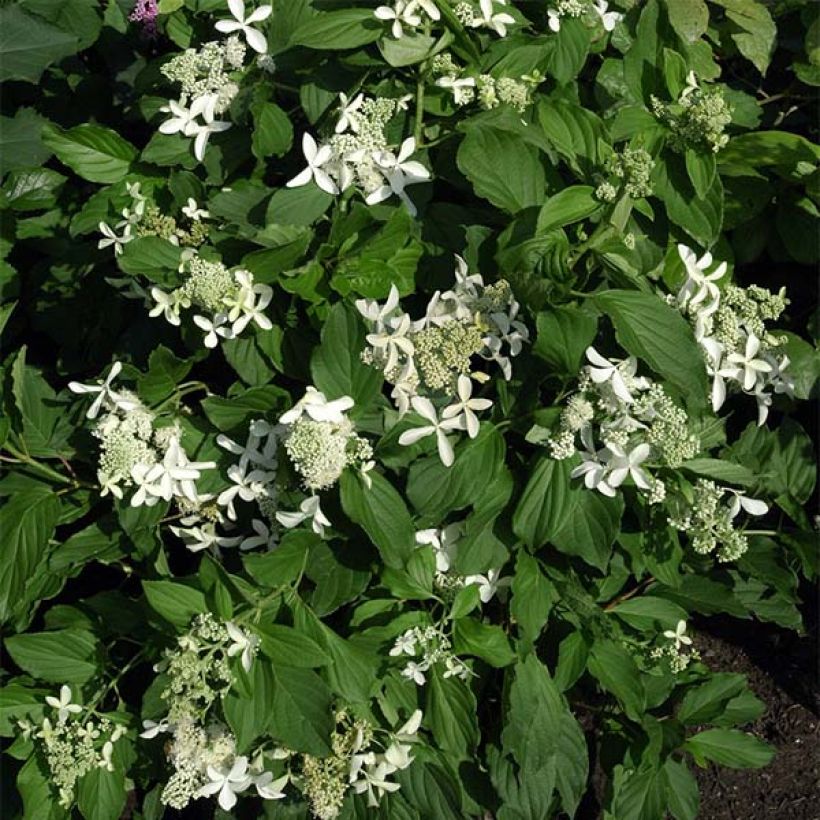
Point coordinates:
pixel 419 125
pixel 41 468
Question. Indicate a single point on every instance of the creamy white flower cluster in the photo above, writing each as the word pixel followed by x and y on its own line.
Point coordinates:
pixel 431 358
pixel 358 154
pixel 580 8
pixel 321 442
pixel 444 542
pixel 412 16
pixel 142 217
pixel 429 647
pixel 74 744
pixel 489 91
pixel 206 77
pixel 698 119
pixel 201 748
pixel 730 326
pixel 228 300
pixel 135 452
pixel 710 523
pixel 623 421
pixel 359 763
pixel 676 649
pixel 252 480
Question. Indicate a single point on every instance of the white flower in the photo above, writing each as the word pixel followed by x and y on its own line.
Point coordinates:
pixel 497 22
pixel 242 644
pixel 748 365
pixel 151 728
pixel 392 344
pixel 105 761
pixel 228 781
pixel 202 133
pixel 489 584
pixel 553 20
pixel 247 485
pixel 63 704
pixel 103 391
pixel 263 538
pixel 204 537
pixel 401 14
pixel 678 635
pixel 399 172
pixel 316 157
pixel 409 730
pixel 364 472
pixel 182 119
pixel 378 314
pixel 256 40
pixel 405 644
pixel 214 328
pixel 609 19
pixel 699 286
pixel 424 407
pixel 193 211
pixel 252 301
pixel 167 305
pixel 316 405
pixel 173 477
pixel 268 788
pixel 622 464
pixel 753 506
pixel 466 406
pixel 349 113
pixel 602 370
pixel 111 238
pixel 309 508
pixel 415 672
pixel 444 543
pixel 458 86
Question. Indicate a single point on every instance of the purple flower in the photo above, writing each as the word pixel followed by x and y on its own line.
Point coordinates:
pixel 145 12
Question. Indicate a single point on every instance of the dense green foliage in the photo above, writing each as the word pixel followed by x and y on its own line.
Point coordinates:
pixel 283 549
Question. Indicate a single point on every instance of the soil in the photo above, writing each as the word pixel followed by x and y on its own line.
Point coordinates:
pixel 781 668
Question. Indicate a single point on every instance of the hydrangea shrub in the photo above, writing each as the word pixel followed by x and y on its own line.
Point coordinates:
pixel 391 391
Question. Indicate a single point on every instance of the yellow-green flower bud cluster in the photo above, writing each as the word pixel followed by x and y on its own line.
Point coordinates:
pixel 208 285
pixel 443 353
pixel 668 428
pixel 697 120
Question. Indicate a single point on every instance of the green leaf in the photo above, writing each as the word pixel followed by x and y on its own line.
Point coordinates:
pixel 61 656
pixel 569 53
pixel 93 152
pixel 575 133
pixel 612 665
pixel 700 594
pixel 297 206
pixel 729 747
pixel 451 715
pixel 701 168
pixel 545 504
pixel 229 413
pixel 336 367
pixel 591 527
pixel 564 333
pixel 28 45
pixel 301 714
pixel 178 603
pixel 153 257
pixel 640 797
pixel 32 190
pixel 165 372
pixel 381 512
pixel 336 30
pixel 655 332
pixel 534 719
pixel 34 783
pixel 410 49
pixel 704 703
pixel 682 794
pixel 532 596
pixel 485 641
pixel 502 168
pixel 648 612
pixel 249 714
pixel 101 794
pixel 568 206
pixel 689 18
pixel 20 143
pixel 285 563
pixel 27 521
pixel 45 427
pixel 700 217
pixel 755 33
pixel 721 470
pixel 272 133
